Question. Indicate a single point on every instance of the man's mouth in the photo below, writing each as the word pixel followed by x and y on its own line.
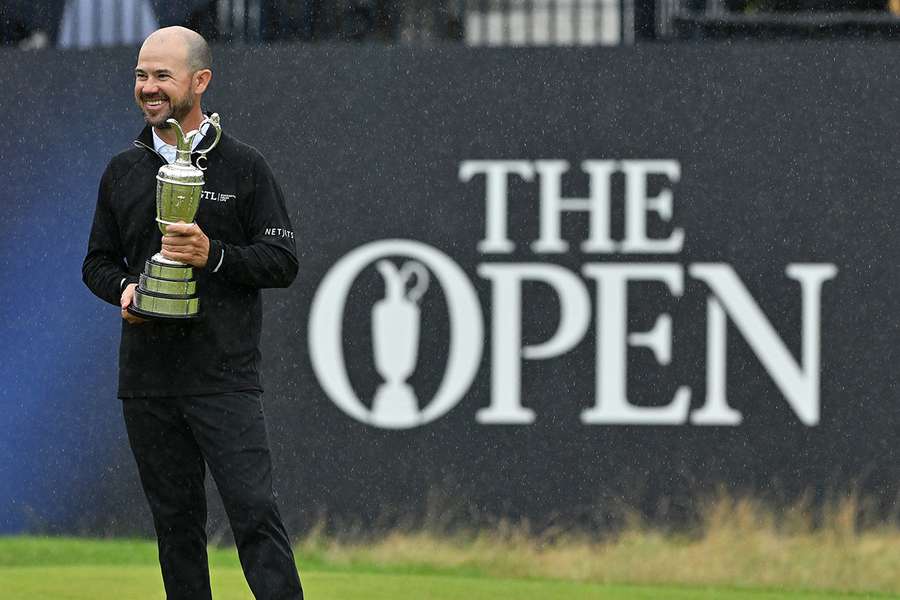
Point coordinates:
pixel 154 102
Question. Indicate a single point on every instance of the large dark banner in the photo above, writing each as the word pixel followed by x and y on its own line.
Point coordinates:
pixel 542 284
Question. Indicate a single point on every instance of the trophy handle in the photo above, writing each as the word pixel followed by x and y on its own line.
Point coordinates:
pixel 213 121
pixel 396 280
pixel 416 268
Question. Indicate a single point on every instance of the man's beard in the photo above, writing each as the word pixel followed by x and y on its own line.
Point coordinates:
pixel 177 111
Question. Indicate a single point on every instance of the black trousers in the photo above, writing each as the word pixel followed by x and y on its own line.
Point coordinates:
pixel 173 439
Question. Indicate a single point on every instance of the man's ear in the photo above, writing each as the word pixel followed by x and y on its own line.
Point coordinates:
pixel 201 80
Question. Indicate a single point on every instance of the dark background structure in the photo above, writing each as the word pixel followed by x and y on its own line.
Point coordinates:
pixel 39 23
pixel 787 155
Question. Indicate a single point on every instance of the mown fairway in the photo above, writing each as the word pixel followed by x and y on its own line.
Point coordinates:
pixel 142 583
pixel 41 568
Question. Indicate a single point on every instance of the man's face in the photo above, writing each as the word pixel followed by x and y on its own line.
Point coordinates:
pixel 163 82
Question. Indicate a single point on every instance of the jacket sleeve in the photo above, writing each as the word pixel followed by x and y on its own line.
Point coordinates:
pixel 104 267
pixel 270 260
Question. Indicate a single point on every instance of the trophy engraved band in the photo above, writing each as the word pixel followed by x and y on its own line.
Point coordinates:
pixel 167 289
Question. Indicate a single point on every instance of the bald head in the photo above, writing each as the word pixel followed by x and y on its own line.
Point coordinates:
pixel 172 73
pixel 192 46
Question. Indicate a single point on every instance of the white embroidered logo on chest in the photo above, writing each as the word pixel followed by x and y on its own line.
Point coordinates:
pixel 217 196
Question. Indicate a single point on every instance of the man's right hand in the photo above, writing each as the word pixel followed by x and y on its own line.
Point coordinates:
pixel 127 297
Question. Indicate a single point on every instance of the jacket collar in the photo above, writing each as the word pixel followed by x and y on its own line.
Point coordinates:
pixel 145 138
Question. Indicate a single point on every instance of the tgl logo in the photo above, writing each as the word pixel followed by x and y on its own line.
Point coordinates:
pixel 395 319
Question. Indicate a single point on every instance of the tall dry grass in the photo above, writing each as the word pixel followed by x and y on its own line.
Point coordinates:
pixel 740 542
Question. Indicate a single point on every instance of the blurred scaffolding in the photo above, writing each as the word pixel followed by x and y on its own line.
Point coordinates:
pixel 88 23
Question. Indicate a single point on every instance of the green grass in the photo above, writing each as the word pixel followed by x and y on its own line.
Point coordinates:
pixel 131 582
pixel 73 569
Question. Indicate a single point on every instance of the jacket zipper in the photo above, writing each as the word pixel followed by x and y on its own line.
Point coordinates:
pixel 141 144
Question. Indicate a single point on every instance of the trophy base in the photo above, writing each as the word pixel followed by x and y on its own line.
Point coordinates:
pixel 163 268
pixel 395 406
pixel 166 291
pixel 162 306
pixel 152 316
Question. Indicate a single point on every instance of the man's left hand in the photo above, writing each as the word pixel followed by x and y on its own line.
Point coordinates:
pixel 186 242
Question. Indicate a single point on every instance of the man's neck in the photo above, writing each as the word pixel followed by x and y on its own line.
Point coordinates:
pixel 189 123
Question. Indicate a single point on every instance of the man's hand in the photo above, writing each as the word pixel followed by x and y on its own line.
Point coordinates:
pixel 127 297
pixel 186 243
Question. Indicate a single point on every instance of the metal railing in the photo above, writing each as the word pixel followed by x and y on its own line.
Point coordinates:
pixel 773 19
pixel 549 22
pixel 86 23
pixel 475 22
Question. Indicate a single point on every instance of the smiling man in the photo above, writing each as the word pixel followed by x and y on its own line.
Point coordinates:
pixel 174 69
pixel 190 390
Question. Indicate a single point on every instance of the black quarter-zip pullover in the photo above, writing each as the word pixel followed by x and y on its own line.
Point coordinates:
pixel 242 211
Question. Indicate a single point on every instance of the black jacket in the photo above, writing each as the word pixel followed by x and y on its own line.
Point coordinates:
pixel 242 212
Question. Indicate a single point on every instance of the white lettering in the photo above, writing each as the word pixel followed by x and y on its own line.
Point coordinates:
pixel 799 384
pixel 637 204
pixel 278 232
pixel 326 330
pixel 716 410
pixel 506 338
pixel 395 316
pixel 496 174
pixel 216 196
pixel 612 406
pixel 553 205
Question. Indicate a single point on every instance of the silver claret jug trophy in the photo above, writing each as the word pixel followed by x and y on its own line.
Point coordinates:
pixel 167 289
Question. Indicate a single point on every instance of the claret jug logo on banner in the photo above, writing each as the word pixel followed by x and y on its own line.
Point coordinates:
pixel 410 270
